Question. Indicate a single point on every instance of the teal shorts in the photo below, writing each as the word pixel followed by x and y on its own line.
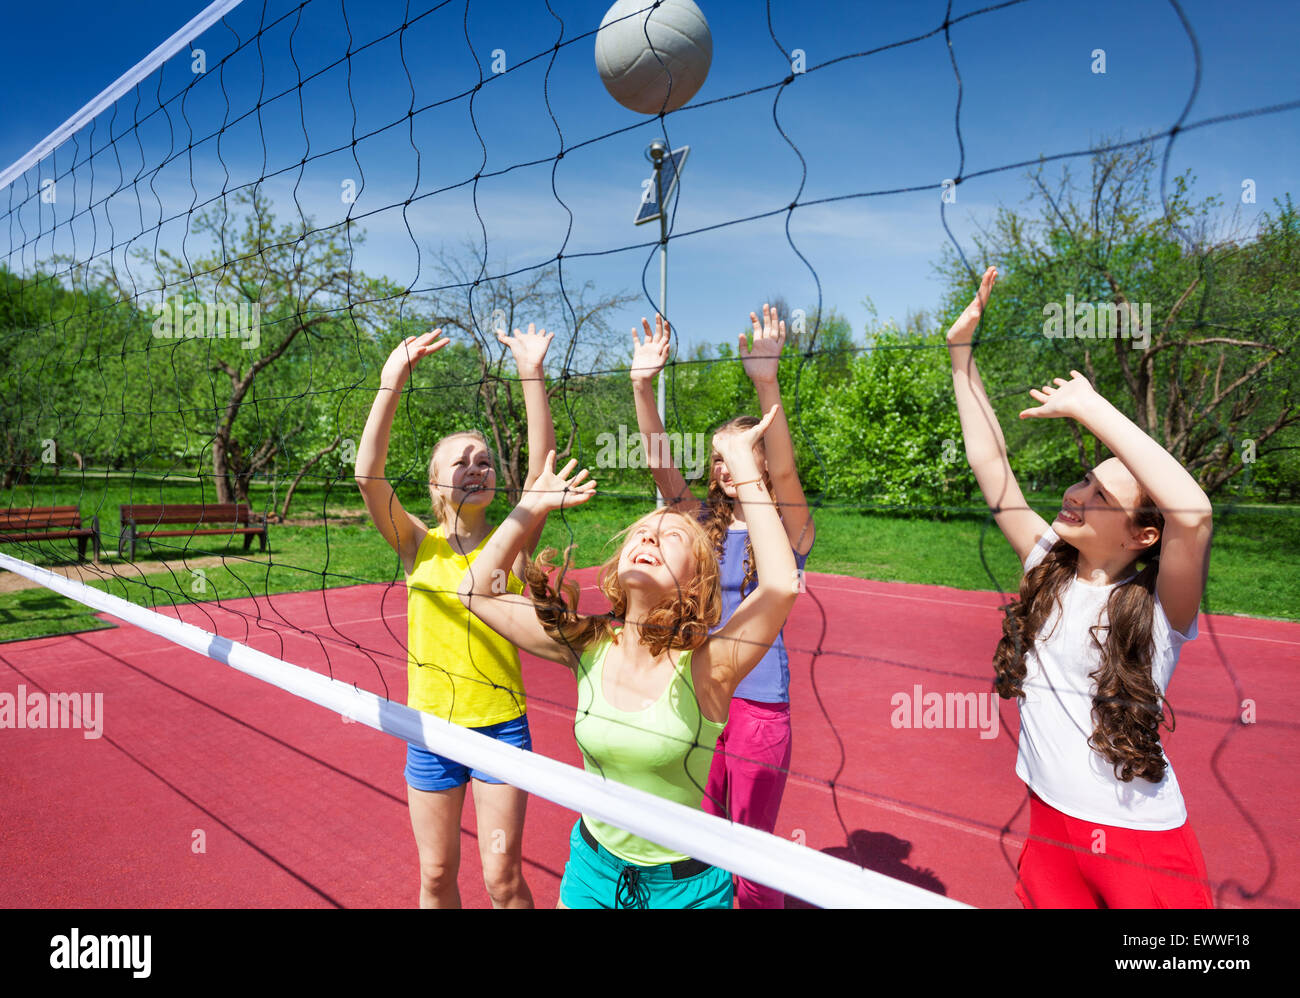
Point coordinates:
pixel 596 878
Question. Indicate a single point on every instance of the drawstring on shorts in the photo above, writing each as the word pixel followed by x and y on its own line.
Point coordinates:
pixel 631 892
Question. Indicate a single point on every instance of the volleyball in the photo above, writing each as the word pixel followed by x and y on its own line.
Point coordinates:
pixel 640 49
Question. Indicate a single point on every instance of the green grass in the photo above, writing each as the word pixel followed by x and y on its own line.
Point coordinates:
pixel 1255 568
pixel 37 613
pixel 1255 564
pixel 300 558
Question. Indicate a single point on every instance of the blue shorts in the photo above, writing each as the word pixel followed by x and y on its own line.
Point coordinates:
pixel 429 771
pixel 596 878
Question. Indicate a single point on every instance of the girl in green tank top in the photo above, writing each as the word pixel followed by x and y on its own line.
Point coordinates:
pixel 664 748
pixel 653 694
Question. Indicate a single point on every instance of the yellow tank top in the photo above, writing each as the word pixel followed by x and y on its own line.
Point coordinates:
pixel 457 667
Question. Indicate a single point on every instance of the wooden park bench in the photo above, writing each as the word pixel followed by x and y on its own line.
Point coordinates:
pixel 143 522
pixel 42 523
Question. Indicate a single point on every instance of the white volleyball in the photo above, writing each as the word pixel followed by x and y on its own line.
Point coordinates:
pixel 636 70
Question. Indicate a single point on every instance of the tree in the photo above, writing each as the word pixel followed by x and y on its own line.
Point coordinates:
pixel 63 368
pixel 1200 323
pixel 305 314
pixel 474 302
pixel 886 432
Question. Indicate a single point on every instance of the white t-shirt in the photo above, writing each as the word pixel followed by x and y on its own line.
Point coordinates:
pixel 1056 720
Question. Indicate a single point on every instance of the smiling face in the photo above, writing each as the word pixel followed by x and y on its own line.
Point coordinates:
pixel 665 577
pixel 1098 514
pixel 461 473
pixel 662 551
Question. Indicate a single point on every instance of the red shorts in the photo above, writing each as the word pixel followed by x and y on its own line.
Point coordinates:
pixel 1071 863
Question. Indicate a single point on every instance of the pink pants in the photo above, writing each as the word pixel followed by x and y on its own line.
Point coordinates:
pixel 747 779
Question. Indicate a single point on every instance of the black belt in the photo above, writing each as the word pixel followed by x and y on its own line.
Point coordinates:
pixel 680 871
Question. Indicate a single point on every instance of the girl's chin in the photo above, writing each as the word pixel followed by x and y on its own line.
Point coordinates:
pixel 1075 534
pixel 478 497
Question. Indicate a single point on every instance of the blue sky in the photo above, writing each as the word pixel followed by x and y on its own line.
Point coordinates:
pixel 880 122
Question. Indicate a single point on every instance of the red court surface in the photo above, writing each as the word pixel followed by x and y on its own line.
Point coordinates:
pixel 212 789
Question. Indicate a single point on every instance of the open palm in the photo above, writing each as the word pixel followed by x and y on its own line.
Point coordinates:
pixel 397 368
pixel 1069 398
pixel 649 355
pixel 529 349
pixel 762 360
pixel 563 489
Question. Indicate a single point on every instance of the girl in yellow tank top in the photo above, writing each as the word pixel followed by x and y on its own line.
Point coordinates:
pixel 457 668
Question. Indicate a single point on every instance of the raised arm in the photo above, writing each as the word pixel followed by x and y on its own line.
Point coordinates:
pixel 762 363
pixel 733 651
pixel 1185 544
pixel 986 448
pixel 483 590
pixel 648 359
pixel 529 350
pixel 402 531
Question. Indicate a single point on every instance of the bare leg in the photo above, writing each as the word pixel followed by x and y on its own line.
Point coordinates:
pixel 500 809
pixel 435 819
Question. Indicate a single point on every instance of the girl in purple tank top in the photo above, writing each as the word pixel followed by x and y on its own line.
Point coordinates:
pixel 752 760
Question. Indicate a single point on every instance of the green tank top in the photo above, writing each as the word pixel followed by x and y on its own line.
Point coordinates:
pixel 665 749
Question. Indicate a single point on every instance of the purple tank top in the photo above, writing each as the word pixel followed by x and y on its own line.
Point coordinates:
pixel 769 682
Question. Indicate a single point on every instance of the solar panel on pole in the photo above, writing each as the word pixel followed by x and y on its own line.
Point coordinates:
pixel 648 210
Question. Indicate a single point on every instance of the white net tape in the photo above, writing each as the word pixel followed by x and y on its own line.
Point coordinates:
pixel 796 870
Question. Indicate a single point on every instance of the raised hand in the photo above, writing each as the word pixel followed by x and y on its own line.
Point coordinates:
pixel 762 361
pixel 559 490
pixel 963 329
pixel 651 354
pixel 737 446
pixel 1071 398
pixel 397 368
pixel 529 349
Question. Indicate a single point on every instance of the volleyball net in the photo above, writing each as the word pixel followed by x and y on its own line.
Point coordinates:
pixel 206 267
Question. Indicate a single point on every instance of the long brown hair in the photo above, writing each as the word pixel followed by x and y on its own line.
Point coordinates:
pixel 1127 708
pixel 682 620
pixel 720 509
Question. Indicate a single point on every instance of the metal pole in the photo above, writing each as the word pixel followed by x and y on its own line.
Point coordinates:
pixel 663 306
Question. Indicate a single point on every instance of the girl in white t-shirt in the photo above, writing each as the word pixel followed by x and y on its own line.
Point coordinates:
pixel 1109 596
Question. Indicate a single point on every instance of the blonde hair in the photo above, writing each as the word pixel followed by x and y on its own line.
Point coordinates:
pixel 681 620
pixel 439 503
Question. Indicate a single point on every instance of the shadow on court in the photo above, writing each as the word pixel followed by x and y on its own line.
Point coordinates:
pixel 881 853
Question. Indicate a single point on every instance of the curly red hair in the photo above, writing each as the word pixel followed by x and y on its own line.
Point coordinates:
pixel 682 620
